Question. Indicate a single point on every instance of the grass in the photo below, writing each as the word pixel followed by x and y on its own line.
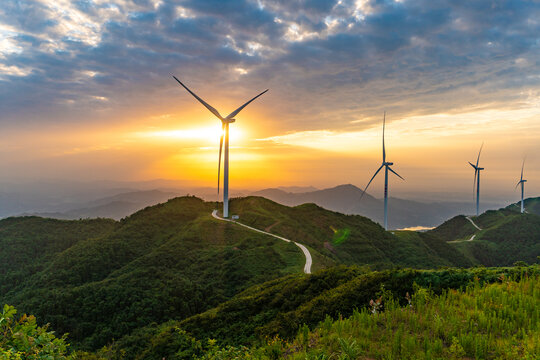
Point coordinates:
pixel 496 321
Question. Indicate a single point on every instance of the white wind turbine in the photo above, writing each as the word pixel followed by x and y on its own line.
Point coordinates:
pixel 387 167
pixel 476 182
pixel 522 182
pixel 225 121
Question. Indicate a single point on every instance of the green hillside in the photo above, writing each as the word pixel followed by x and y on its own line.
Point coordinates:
pixel 497 321
pixel 346 239
pixel 507 235
pixel 29 244
pixel 456 228
pixel 531 205
pixel 168 261
pixel 281 306
pixel 99 279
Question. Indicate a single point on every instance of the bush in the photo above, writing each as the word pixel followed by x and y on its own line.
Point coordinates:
pixel 23 339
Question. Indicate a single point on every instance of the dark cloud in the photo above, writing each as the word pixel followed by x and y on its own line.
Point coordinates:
pixel 317 56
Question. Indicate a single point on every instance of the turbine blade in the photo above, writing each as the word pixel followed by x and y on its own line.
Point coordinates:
pixel 220 149
pixel 478 159
pixel 389 168
pixel 522 166
pixel 472 165
pixel 519 182
pixel 206 105
pixel 235 112
pixel 373 177
pixel 383 149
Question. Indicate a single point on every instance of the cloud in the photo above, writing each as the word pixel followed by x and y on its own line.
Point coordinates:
pixel 330 64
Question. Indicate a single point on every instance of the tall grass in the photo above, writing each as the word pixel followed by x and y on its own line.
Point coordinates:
pixel 496 321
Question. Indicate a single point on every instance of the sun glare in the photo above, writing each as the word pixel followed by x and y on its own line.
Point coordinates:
pixel 210 134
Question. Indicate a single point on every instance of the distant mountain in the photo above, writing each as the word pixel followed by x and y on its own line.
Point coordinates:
pixel 101 279
pixel 113 207
pixel 507 235
pixel 346 199
pixel 297 189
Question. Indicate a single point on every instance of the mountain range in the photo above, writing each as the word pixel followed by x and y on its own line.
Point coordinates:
pixel 102 279
pixel 122 201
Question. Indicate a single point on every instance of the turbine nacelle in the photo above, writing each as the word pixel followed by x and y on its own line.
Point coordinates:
pixel 388 163
pixel 230 121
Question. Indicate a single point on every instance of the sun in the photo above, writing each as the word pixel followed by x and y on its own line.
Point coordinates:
pixel 209 134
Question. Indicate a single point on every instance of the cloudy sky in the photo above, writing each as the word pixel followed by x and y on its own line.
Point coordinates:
pixel 86 91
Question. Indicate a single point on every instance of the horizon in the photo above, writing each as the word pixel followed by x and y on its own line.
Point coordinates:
pixel 87 94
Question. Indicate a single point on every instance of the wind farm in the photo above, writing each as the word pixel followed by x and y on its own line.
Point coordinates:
pixel 116 243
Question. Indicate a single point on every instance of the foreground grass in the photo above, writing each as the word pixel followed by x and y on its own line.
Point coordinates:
pixel 497 321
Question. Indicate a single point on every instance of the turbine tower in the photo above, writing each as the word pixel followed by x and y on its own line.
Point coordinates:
pixel 476 182
pixel 522 182
pixel 225 121
pixel 387 167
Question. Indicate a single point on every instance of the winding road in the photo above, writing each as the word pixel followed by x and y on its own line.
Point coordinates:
pixel 472 237
pixel 307 254
pixel 472 222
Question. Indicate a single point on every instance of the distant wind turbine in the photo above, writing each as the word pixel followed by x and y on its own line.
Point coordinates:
pixel 387 167
pixel 225 121
pixel 476 182
pixel 522 182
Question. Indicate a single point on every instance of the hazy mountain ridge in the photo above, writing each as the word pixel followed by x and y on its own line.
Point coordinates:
pixel 346 199
pixel 120 199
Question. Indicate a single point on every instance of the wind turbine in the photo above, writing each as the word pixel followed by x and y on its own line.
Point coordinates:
pixel 522 182
pixel 477 170
pixel 387 167
pixel 225 121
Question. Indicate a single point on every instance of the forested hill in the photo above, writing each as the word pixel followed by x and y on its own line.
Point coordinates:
pixel 100 279
pixel 506 235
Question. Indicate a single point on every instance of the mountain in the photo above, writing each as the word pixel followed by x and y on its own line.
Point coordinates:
pixel 101 279
pixel 506 235
pixel 168 261
pixel 346 199
pixel 114 207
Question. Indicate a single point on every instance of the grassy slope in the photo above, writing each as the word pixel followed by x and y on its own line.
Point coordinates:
pixel 281 306
pixel 498 321
pixel 345 239
pixel 457 228
pixel 168 261
pixel 507 236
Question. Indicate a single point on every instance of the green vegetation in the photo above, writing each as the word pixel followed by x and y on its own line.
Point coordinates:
pixel 280 307
pixel 497 321
pixel 28 244
pixel 22 339
pixel 345 239
pixel 507 236
pixel 169 261
pixel 457 228
pixel 171 277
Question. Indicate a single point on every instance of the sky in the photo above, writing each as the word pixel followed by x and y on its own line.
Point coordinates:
pixel 86 92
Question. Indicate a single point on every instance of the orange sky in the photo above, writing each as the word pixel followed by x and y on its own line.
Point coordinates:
pixel 86 93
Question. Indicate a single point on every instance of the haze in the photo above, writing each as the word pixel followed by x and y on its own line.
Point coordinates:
pixel 86 92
